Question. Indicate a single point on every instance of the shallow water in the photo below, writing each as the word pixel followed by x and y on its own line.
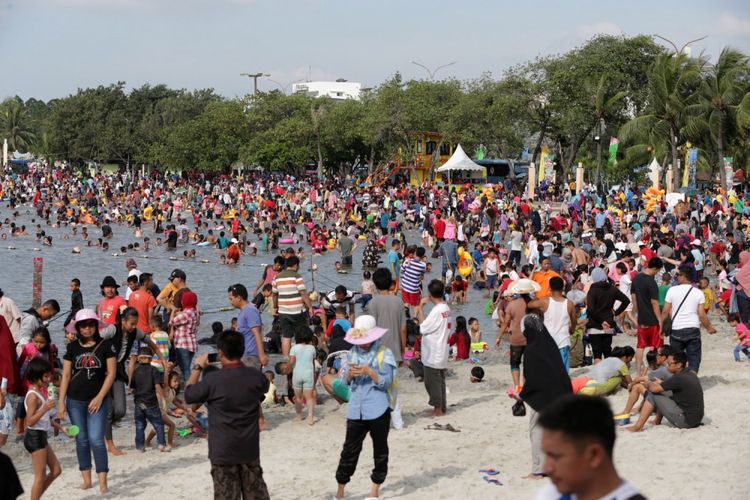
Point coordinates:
pixel 209 280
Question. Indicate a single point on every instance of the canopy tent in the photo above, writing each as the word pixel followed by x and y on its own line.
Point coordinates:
pixel 459 161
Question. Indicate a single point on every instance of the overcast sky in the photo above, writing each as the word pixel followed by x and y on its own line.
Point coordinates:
pixel 52 47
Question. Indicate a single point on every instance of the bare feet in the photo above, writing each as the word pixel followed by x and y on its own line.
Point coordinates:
pixel 86 486
pixel 310 420
pixel 114 450
pixel 298 418
pixel 262 424
pixel 634 428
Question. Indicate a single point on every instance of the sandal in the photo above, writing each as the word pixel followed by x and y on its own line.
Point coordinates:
pixel 492 480
pixel 490 471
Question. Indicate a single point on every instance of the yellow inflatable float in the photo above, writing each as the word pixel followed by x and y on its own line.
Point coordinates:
pixel 651 197
pixel 465 262
pixel 147 213
pixel 331 244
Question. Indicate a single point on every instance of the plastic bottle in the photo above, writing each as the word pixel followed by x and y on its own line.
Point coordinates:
pixel 51 391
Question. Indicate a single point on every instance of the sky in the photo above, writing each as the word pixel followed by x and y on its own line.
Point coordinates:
pixel 50 48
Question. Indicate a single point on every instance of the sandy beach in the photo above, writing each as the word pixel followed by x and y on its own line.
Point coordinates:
pixel 299 461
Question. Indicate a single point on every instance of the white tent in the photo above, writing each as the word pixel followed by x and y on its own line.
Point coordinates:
pixel 459 161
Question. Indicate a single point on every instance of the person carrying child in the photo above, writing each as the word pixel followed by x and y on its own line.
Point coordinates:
pixel 147 382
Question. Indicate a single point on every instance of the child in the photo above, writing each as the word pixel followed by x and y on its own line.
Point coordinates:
pixel 461 339
pixel 477 374
pixel 271 397
pixel 340 269
pixel 161 339
pixel 476 335
pixel 707 293
pixel 666 283
pixel 173 383
pixel 302 366
pixel 147 383
pixel 341 319
pixel 368 290
pixel 743 342
pixel 459 287
pixel 38 406
pixel 40 347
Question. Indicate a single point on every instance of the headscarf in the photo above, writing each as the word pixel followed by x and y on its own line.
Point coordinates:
pixel 545 377
pixel 9 360
pixel 598 274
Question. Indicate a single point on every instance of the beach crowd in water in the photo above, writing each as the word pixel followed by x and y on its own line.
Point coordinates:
pixel 560 275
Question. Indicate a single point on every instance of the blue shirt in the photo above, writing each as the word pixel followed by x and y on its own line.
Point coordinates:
pixel 368 400
pixel 393 264
pixel 248 319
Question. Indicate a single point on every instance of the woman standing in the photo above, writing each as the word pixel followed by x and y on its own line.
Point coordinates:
pixel 88 373
pixel 601 300
pixel 369 373
pixel 545 380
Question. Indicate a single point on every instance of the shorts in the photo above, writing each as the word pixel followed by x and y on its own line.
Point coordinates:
pixel 341 390
pixel 346 261
pixel 411 298
pixel 648 336
pixel 303 382
pixel 251 362
pixel 35 440
pixel 491 281
pixel 290 324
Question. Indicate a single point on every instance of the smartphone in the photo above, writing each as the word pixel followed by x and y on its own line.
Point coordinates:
pixel 213 357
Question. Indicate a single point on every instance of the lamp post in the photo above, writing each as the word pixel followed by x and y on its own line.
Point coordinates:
pixel 255 77
pixel 285 87
pixel 432 72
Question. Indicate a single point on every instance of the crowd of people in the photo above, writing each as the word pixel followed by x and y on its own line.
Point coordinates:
pixel 560 277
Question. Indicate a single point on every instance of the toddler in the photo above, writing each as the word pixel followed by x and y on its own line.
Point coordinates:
pixel 368 290
pixel 160 338
pixel 743 342
pixel 147 383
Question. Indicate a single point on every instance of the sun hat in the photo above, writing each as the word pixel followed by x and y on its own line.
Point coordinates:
pixel 84 315
pixel 364 331
pixel 523 286
pixel 109 281
pixel 234 240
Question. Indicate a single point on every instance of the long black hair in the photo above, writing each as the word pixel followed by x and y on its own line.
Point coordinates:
pixel 462 330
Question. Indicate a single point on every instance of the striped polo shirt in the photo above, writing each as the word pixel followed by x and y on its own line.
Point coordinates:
pixel 411 275
pixel 288 285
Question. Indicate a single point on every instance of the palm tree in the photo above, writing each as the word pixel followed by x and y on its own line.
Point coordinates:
pixel 673 84
pixel 719 98
pixel 603 106
pixel 14 126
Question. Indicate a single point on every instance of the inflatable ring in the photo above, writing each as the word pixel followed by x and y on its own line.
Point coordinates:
pixel 287 241
pixel 331 244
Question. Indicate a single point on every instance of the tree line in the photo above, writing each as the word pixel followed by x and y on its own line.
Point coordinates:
pixel 656 102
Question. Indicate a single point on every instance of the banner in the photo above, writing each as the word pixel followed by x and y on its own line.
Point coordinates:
pixel 728 171
pixel 613 142
pixel 542 164
pixel 685 168
pixel 692 162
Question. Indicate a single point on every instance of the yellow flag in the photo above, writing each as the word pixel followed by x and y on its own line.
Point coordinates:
pixel 542 162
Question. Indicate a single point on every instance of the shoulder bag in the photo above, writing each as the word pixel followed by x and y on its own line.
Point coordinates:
pixel 666 326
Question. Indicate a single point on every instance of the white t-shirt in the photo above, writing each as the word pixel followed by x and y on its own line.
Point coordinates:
pixel 435 330
pixel 515 241
pixel 623 492
pixel 687 317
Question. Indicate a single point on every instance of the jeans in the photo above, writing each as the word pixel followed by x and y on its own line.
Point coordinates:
pixel 116 410
pixel 90 437
pixel 184 361
pixel 745 350
pixel 356 430
pixel 689 341
pixel 565 354
pixel 153 415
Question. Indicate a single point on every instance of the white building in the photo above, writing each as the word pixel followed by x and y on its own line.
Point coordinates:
pixel 339 89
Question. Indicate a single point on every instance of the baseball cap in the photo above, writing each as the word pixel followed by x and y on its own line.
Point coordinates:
pixel 178 273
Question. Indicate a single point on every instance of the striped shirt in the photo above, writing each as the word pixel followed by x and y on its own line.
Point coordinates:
pixel 288 285
pixel 411 275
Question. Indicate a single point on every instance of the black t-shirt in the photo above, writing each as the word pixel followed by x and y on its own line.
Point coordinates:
pixel 172 239
pixel 233 395
pixel 89 368
pixel 145 379
pixel 106 230
pixel 645 289
pixel 10 486
pixel 688 394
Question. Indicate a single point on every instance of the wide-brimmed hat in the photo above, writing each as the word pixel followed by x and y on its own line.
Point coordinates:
pixel 84 315
pixel 523 286
pixel 109 281
pixel 364 331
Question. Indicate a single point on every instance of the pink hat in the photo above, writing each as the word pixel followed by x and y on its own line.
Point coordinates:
pixel 83 315
pixel 365 330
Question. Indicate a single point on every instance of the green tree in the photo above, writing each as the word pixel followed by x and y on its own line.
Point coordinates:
pixel 15 125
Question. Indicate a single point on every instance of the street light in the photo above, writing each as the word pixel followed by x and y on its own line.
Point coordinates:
pixel 432 72
pixel 255 77
pixel 285 87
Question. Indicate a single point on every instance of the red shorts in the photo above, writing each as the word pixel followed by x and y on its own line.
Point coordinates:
pixel 411 298
pixel 648 336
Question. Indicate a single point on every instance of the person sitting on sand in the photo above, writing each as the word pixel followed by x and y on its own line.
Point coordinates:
pixel 657 363
pixel 578 439
pixel 605 377
pixel 684 408
pixel 369 372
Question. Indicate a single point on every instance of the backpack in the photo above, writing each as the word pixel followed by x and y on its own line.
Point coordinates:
pixel 393 388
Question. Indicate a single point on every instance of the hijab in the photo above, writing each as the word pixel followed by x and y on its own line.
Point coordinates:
pixel 545 377
pixel 9 360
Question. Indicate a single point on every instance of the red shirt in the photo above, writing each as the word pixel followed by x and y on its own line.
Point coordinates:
pixel 463 346
pixel 439 228
pixel 142 301
pixel 108 308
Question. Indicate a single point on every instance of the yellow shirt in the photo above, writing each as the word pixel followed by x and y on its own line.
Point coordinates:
pixel 709 295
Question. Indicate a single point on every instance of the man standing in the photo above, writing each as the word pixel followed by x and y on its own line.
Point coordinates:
pixel 578 440
pixel 449 255
pixel 516 246
pixel 389 313
pixel 543 276
pixel 559 317
pixel 250 325
pixel 684 408
pixel 76 300
pixel 33 318
pixel 232 394
pixel 166 297
pixel 393 264
pixel 346 247
pixel 142 301
pixel 435 329
pixel 644 294
pixel 290 300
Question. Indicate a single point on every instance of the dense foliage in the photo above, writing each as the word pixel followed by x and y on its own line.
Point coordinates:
pixel 654 101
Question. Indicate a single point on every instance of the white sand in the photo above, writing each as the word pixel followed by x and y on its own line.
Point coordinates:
pixel 300 462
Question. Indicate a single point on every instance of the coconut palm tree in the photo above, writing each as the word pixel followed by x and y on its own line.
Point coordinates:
pixel 15 126
pixel 673 84
pixel 604 105
pixel 723 87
